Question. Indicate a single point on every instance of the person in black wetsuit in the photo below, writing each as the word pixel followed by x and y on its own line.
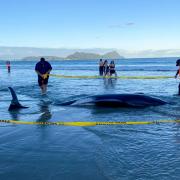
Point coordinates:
pixel 101 67
pixel 178 73
pixel 43 69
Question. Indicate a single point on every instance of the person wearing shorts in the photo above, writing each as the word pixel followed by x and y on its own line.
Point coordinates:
pixel 43 69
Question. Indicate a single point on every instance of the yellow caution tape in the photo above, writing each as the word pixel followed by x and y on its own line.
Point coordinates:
pixel 89 123
pixel 118 77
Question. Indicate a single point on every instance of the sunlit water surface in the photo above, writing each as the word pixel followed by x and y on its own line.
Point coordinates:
pixel 100 152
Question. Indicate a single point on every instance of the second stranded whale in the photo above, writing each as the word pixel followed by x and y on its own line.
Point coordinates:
pixel 107 100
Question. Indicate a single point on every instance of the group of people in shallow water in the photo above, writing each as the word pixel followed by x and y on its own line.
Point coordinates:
pixel 106 69
pixel 43 69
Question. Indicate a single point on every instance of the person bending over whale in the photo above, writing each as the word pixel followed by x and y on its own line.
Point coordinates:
pixel 43 69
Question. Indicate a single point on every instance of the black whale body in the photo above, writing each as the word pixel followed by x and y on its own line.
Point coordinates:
pixel 107 100
pixel 117 100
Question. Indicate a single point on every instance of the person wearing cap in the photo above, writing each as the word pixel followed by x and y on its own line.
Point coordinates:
pixel 43 69
pixel 178 73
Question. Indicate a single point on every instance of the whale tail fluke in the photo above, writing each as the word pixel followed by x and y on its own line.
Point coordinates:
pixel 14 102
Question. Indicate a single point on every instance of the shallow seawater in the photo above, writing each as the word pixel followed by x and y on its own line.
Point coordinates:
pixel 98 152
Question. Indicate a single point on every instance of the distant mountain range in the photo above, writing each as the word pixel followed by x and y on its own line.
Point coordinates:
pixel 18 53
pixel 79 56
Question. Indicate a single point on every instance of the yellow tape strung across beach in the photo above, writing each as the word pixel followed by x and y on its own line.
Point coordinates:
pixel 118 77
pixel 86 123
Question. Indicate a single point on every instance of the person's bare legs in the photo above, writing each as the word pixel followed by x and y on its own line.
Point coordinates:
pixel 43 88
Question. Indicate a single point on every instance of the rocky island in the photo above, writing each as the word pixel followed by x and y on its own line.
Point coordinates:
pixel 79 56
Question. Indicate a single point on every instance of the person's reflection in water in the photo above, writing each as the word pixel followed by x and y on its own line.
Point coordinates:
pixel 14 114
pixel 110 83
pixel 46 114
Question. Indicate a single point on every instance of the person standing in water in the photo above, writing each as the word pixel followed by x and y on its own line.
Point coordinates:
pixel 101 67
pixel 8 65
pixel 178 73
pixel 43 69
pixel 106 68
pixel 112 69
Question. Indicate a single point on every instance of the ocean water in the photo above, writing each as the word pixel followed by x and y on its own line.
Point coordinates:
pixel 124 152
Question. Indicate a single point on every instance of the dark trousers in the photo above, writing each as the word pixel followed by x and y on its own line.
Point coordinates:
pixel 101 69
pixel 179 89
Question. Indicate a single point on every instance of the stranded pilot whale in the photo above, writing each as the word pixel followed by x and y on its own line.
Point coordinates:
pixel 117 100
pixel 107 100
pixel 14 102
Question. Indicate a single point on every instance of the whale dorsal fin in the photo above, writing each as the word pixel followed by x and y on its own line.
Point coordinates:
pixel 14 96
pixel 14 102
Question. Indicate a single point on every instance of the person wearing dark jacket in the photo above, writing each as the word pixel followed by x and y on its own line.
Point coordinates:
pixel 43 69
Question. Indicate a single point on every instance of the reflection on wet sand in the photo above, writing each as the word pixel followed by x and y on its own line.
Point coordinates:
pixel 15 114
pixel 110 83
pixel 45 113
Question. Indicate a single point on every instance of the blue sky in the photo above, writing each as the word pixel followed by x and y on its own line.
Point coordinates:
pixel 121 24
